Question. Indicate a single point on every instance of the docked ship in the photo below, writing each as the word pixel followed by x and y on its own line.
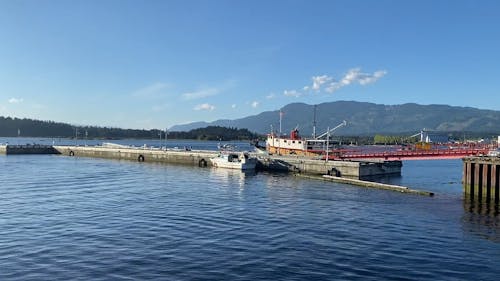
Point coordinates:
pixel 297 145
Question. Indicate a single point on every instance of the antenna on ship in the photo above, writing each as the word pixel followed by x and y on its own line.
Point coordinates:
pixel 314 122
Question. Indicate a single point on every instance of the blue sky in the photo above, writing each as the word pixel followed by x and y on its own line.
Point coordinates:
pixel 154 64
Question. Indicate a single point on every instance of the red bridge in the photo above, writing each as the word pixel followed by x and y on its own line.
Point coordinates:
pixel 450 152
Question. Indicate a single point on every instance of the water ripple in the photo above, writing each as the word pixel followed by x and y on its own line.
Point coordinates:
pixel 88 219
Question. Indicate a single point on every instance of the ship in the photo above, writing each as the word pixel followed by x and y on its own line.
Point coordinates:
pixel 294 144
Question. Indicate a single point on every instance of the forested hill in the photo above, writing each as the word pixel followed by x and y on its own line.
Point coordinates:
pixel 367 119
pixel 11 127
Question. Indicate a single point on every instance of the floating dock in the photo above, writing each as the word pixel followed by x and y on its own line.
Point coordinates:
pixel 371 184
pixel 481 178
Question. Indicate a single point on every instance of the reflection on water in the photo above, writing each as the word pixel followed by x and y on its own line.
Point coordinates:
pixel 481 219
pixel 231 176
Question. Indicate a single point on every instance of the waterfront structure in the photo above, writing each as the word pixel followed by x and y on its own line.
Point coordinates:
pixel 296 145
pixel 201 158
pixel 481 178
pixel 433 136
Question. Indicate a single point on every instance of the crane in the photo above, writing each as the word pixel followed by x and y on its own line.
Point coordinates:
pixel 344 123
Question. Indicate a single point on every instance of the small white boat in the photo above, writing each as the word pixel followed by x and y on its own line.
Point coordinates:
pixel 234 160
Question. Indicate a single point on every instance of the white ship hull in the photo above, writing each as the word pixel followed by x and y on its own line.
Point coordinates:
pixel 234 161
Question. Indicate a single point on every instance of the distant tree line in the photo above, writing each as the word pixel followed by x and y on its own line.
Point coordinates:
pixel 12 127
pixel 215 133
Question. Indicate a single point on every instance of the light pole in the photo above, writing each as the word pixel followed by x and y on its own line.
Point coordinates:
pixel 86 136
pixel 166 133
pixel 327 142
pixel 160 138
pixel 76 136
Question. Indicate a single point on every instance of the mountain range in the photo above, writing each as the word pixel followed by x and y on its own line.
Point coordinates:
pixel 364 119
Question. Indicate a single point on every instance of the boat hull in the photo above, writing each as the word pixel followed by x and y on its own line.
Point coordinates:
pixel 221 163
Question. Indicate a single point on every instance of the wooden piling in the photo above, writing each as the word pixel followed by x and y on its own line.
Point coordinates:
pixel 467 177
pixel 481 179
pixel 478 181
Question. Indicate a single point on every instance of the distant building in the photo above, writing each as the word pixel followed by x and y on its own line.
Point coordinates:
pixel 433 136
pixel 498 142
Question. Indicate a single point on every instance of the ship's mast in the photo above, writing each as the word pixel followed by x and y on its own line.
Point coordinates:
pixel 314 122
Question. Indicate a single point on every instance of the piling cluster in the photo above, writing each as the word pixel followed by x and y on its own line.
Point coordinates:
pixel 481 178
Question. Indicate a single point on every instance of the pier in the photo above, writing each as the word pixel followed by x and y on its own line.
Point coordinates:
pixel 481 179
pixel 201 158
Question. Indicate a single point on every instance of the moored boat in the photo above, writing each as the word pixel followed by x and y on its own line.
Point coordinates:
pixel 234 160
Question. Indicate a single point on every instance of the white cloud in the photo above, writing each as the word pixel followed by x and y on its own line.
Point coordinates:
pixel 306 88
pixel 334 86
pixel 270 96
pixel 255 104
pixel 200 94
pixel 320 80
pixel 15 100
pixel 372 78
pixel 354 76
pixel 233 106
pixel 292 93
pixel 151 90
pixel 204 106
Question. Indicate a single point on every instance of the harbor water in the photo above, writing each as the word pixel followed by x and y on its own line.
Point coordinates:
pixel 72 218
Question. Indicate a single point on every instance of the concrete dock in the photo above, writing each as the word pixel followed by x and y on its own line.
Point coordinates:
pixel 340 168
pixel 201 158
pixel 27 149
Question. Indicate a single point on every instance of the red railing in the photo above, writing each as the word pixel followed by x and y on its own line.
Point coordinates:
pixel 451 153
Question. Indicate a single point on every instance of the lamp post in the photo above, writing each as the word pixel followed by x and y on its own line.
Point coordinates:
pixel 159 133
pixel 327 143
pixel 166 133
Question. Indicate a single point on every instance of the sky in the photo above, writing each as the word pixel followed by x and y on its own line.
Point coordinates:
pixel 154 64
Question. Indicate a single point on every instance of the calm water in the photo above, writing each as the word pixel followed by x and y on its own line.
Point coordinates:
pixel 71 218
